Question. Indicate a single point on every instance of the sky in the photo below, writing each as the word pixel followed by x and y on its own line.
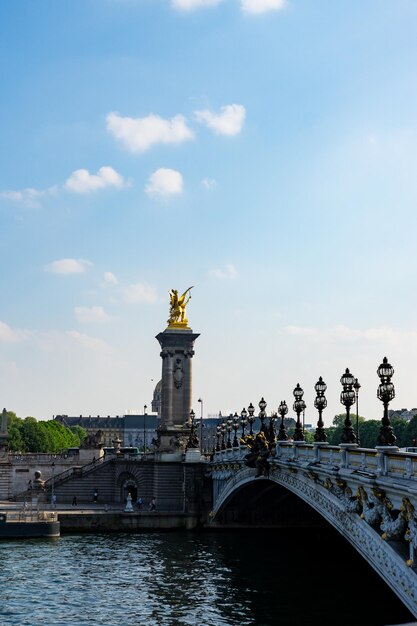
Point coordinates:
pixel 263 152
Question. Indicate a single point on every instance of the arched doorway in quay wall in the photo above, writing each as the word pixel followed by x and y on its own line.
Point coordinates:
pixel 126 484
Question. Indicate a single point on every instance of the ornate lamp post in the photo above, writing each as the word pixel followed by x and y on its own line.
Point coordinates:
pixel 262 416
pixel 357 386
pixel 218 435
pixel 235 427
pixel 229 423
pixel 282 410
pixel 223 433
pixel 320 404
pixel 192 439
pixel 201 424
pixel 347 398
pixel 251 418
pixel 386 393
pixel 144 428
pixel 271 433
pixel 243 420
pixel 298 406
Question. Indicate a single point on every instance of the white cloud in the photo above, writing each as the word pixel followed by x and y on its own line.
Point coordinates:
pixel 7 334
pixel 228 122
pixel 261 6
pixel 186 5
pixel 229 272
pixel 208 183
pixel 81 181
pixel 29 198
pixel 164 182
pixel 110 278
pixel 141 292
pixel 141 133
pixel 68 266
pixel 87 342
pixel 382 334
pixel 90 314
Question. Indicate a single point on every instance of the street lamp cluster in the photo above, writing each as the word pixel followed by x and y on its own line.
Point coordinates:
pixel 348 397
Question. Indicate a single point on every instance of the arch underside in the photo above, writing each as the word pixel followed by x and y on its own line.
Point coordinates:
pixel 286 500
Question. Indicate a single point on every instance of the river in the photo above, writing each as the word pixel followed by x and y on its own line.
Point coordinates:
pixel 222 578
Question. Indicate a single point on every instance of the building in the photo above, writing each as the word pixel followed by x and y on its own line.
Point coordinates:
pixel 131 430
pixel 404 414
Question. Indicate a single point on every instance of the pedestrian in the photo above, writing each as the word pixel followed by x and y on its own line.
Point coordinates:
pixel 74 501
pixel 139 502
pixel 95 497
pixel 152 505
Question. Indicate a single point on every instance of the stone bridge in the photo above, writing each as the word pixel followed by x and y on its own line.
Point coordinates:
pixel 368 495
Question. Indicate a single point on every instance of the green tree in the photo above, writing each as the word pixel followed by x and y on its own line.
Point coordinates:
pixel 411 432
pixel 369 433
pixel 33 436
pixel 15 441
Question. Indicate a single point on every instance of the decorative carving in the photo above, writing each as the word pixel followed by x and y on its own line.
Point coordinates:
pixel 178 374
pixel 371 505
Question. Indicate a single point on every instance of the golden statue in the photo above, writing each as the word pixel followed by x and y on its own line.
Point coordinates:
pixel 177 313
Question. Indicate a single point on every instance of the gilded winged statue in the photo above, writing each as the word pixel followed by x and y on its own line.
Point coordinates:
pixel 177 313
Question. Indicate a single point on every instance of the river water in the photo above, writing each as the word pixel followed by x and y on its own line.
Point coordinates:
pixel 222 578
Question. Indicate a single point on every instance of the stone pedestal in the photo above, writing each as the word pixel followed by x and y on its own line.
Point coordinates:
pixel 176 389
pixel 193 455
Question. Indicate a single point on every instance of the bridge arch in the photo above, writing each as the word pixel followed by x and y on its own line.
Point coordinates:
pixel 324 502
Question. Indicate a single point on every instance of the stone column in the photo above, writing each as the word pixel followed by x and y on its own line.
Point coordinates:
pixel 176 393
pixel 3 431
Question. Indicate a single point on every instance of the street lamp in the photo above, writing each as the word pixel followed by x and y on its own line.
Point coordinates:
pixel 271 434
pixel 144 428
pixel 223 434
pixel 262 416
pixel 386 393
pixel 243 420
pixel 320 403
pixel 229 423
pixel 218 435
pixel 201 424
pixel 235 427
pixel 251 418
pixel 347 398
pixel 282 410
pixel 357 386
pixel 53 481
pixel 298 406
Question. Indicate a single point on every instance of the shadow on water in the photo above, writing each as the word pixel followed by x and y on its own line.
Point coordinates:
pixel 213 578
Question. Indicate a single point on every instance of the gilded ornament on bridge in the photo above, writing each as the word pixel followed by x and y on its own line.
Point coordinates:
pixel 177 311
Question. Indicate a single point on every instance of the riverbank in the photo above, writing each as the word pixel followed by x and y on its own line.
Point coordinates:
pixel 105 518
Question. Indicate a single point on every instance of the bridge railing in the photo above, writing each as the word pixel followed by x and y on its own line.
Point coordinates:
pixel 374 461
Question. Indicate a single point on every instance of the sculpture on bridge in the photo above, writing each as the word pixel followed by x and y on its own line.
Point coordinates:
pixel 258 453
pixel 393 523
pixel 372 505
pixel 177 312
pixel 93 441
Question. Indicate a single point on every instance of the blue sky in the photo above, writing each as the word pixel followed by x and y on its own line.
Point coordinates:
pixel 263 151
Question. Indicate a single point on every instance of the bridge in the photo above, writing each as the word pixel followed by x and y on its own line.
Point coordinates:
pixel 367 495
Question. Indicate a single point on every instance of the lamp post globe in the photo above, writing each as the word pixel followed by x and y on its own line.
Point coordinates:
pixel 298 406
pixel 386 393
pixel 357 386
pixel 243 420
pixel 347 398
pixel 320 404
pixel 282 410
pixel 251 418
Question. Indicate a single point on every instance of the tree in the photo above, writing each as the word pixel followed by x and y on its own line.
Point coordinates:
pixel 31 435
